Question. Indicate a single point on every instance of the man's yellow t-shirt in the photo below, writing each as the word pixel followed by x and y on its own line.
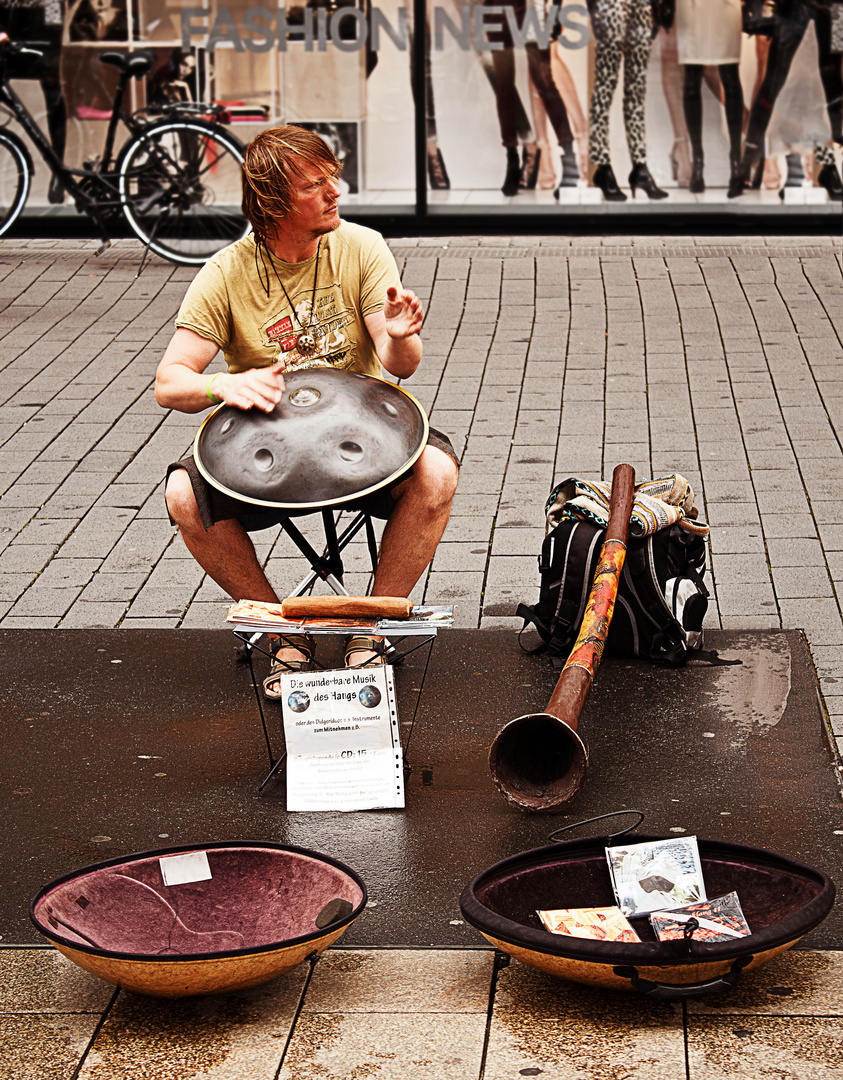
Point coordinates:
pixel 238 301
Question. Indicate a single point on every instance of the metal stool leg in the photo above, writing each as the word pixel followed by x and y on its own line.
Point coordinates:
pixel 329 566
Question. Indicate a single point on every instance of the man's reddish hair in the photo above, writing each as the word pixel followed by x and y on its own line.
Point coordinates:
pixel 272 159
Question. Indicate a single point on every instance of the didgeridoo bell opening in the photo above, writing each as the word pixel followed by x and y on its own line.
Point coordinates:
pixel 538 762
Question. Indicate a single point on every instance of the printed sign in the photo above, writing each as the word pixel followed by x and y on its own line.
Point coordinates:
pixel 343 747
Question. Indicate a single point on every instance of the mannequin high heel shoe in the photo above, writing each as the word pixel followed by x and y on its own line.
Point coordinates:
pixel 744 174
pixel 437 174
pixel 829 178
pixel 530 168
pixel 680 164
pixel 570 171
pixel 696 185
pixel 512 179
pixel 795 174
pixel 546 180
pixel 604 179
pixel 754 161
pixel 737 181
pixel 640 177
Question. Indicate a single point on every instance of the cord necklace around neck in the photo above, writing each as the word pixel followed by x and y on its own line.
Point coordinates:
pixel 305 342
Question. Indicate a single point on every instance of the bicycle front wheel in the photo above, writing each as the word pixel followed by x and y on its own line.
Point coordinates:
pixel 15 177
pixel 180 189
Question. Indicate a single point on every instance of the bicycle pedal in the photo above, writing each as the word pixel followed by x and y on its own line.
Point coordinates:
pixel 104 246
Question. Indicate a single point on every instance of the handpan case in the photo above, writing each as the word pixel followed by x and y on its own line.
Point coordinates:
pixel 265 909
pixel 781 899
pixel 334 437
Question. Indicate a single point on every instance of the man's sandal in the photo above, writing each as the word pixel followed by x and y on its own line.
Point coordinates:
pixel 362 644
pixel 304 644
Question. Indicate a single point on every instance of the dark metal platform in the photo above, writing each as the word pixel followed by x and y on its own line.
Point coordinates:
pixel 165 747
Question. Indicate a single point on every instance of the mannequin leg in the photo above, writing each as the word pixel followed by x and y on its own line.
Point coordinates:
pixel 832 80
pixel 57 127
pixel 672 85
pixel 636 55
pixel 568 92
pixel 538 61
pixel 733 105
pixel 608 22
pixel 609 25
pixel 831 73
pixel 437 174
pixel 786 39
pixel 692 104
pixel 523 127
pixel 506 96
pixel 537 169
pixel 510 109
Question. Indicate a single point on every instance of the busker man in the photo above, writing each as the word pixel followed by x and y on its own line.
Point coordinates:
pixel 303 289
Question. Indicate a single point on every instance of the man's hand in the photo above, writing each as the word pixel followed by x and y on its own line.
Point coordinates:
pixel 182 380
pixel 259 388
pixel 403 313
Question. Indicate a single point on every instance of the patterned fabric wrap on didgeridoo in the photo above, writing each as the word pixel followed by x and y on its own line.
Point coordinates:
pixel 588 648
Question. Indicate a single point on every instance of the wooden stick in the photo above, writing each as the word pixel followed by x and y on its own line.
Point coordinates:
pixel 343 607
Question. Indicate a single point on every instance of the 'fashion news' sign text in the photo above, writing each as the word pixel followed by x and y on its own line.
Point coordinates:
pixel 350 29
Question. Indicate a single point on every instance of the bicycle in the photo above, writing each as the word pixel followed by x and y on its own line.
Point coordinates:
pixel 162 180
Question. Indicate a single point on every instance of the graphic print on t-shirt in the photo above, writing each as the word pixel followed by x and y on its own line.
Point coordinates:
pixel 314 335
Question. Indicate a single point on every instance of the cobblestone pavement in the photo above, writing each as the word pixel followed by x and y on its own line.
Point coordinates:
pixel 719 358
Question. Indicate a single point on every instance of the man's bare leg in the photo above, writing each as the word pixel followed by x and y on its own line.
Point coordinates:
pixel 225 551
pixel 415 526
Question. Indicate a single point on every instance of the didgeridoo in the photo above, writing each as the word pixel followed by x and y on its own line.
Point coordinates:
pixel 539 761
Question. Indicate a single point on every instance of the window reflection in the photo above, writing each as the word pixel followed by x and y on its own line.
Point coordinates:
pixel 528 106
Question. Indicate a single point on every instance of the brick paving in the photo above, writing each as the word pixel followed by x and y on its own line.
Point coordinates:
pixel 544 357
pixel 395 1014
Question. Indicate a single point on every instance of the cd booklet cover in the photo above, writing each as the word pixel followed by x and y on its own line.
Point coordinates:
pixel 656 876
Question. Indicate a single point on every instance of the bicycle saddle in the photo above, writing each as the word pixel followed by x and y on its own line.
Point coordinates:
pixel 135 64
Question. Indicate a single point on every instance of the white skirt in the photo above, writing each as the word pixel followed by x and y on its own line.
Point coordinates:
pixel 708 31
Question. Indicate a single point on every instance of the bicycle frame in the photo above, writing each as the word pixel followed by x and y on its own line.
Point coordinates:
pixel 68 175
pixel 101 173
pixel 154 180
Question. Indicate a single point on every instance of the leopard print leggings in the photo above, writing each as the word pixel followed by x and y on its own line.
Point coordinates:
pixel 623 31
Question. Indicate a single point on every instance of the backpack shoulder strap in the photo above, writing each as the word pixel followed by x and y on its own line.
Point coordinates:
pixel 640 582
pixel 567 563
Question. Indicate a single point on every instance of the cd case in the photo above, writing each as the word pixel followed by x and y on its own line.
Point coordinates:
pixel 657 875
pixel 720 919
pixel 600 924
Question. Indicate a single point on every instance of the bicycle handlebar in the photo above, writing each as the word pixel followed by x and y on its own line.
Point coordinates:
pixel 215 111
pixel 6 44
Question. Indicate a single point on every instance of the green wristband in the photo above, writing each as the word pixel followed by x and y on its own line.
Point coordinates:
pixel 213 400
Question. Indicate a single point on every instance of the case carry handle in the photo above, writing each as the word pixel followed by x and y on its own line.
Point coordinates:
pixel 666 992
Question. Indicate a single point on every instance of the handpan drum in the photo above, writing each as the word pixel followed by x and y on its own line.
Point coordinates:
pixel 335 436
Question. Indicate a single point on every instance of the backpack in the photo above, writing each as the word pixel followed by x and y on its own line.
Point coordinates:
pixel 661 601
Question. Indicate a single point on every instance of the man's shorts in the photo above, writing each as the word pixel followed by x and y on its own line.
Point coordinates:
pixel 215 505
